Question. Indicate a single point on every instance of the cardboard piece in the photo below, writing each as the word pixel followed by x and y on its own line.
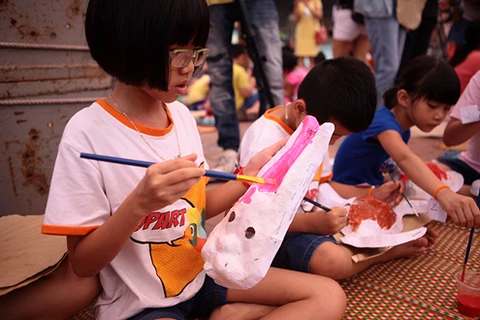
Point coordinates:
pixel 25 253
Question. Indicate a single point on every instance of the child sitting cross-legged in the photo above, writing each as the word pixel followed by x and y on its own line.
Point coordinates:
pixel 142 230
pixel 423 97
pixel 340 91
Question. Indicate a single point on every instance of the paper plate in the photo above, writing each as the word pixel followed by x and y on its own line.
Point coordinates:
pixel 369 234
pixel 455 182
pixel 383 240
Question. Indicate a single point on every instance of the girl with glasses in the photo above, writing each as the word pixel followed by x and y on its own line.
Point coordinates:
pixel 143 230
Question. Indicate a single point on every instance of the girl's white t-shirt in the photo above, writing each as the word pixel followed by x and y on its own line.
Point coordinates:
pixel 160 265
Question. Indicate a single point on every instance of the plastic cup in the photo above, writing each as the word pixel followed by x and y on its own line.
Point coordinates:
pixel 468 293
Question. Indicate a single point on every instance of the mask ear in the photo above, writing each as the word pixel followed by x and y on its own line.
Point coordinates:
pixel 403 98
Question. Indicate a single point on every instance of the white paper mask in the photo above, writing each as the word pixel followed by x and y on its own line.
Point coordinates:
pixel 240 249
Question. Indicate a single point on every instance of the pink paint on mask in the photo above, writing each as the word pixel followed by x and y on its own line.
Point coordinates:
pixel 247 197
pixel 279 169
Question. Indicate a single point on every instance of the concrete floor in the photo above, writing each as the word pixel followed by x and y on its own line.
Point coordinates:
pixel 425 146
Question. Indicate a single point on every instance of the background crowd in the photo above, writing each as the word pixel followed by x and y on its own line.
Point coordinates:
pixel 383 34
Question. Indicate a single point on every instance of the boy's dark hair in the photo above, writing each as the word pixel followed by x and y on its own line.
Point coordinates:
pixel 319 58
pixel 429 78
pixel 238 50
pixel 340 89
pixel 130 39
pixel 289 60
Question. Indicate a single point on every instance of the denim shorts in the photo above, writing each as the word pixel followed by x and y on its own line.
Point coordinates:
pixel 297 250
pixel 250 101
pixel 210 296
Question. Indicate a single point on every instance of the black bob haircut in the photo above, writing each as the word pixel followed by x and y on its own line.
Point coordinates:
pixel 428 78
pixel 340 89
pixel 130 39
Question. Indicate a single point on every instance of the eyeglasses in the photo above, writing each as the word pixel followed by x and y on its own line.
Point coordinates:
pixel 180 58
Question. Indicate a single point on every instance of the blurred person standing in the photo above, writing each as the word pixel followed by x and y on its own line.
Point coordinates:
pixel 418 39
pixel 387 38
pixel 349 33
pixel 466 59
pixel 465 11
pixel 263 18
pixel 308 14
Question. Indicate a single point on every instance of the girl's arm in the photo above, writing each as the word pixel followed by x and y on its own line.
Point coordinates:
pixel 320 222
pixel 298 10
pixel 162 185
pixel 390 192
pixel 221 198
pixel 457 133
pixel 316 11
pixel 462 210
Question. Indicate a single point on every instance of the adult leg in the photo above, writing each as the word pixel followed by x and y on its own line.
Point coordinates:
pixel 298 295
pixel 222 99
pixel 417 42
pixel 59 295
pixel 342 48
pixel 264 22
pixel 387 38
pixel 361 47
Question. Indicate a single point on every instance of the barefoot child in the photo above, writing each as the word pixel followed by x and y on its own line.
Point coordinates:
pixel 341 91
pixel 427 90
pixel 142 230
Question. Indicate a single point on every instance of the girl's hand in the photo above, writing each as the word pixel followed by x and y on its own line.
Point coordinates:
pixel 166 182
pixel 261 158
pixel 463 210
pixel 390 192
pixel 328 223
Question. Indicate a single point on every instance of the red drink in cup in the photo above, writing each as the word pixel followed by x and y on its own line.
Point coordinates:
pixel 468 294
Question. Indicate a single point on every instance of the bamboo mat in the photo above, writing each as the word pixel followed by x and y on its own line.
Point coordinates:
pixel 422 288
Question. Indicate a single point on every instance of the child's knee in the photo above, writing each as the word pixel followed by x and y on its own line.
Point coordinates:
pixel 326 257
pixel 332 298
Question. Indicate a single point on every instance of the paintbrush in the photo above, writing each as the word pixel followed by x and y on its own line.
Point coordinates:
pixel 403 194
pixel 208 173
pixel 315 203
pixel 467 251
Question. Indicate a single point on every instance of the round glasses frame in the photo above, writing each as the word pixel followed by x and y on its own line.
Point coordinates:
pixel 180 58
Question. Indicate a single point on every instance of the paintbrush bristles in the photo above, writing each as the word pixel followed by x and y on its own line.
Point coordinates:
pixel 256 179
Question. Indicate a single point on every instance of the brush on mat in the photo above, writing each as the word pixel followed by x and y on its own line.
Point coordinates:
pixel 403 194
pixel 208 173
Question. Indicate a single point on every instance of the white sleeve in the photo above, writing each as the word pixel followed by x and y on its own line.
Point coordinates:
pixel 77 195
pixel 470 96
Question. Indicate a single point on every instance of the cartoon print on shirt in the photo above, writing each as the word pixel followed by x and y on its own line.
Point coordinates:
pixel 175 237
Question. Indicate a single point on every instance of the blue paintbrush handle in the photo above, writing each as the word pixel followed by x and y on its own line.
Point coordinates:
pixel 470 238
pixel 469 245
pixel 220 175
pixel 146 164
pixel 130 162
